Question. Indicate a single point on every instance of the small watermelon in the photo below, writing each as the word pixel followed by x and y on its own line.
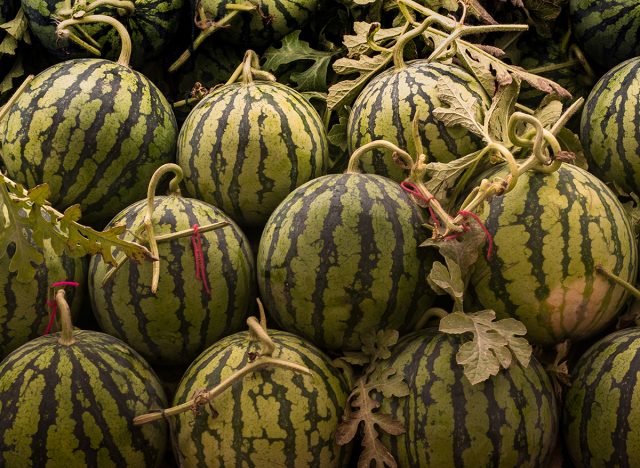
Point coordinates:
pixel 550 233
pixel 340 257
pixel 273 417
pixel 608 129
pixel 386 107
pixel 247 145
pixel 177 322
pixel 608 31
pixel 602 405
pixel 509 420
pixel 69 400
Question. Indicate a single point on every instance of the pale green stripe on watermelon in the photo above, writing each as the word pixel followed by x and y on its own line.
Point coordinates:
pixel 152 26
pixel 286 416
pixel 340 256
pixel 610 126
pixel 94 130
pixel 244 148
pixel 601 422
pixel 387 106
pixel 608 31
pixel 174 325
pixel 67 406
pixel 509 420
pixel 550 232
pixel 24 313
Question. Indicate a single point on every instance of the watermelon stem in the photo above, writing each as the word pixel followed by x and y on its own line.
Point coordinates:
pixel 66 334
pixel 371 40
pixel 204 34
pixel 125 38
pixel 124 7
pixel 401 43
pixel 74 37
pixel 433 312
pixel 616 279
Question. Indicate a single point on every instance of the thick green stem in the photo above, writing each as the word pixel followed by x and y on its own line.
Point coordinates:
pixel 78 10
pixel 148 219
pixel 66 334
pixel 401 43
pixel 355 156
pixel 371 40
pixel 235 10
pixel 77 40
pixel 125 38
pixel 433 312
pixel 616 279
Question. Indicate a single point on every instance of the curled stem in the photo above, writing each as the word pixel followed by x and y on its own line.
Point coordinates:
pixel 66 334
pixel 355 156
pixel 401 43
pixel 371 41
pixel 125 38
pixel 148 223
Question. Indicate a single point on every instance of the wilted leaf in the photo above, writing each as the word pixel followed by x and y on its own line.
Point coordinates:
pixel 357 43
pixel 475 8
pixel 502 107
pixel 462 109
pixel 447 280
pixel 569 141
pixel 493 345
pixel 16 30
pixel 377 345
pixel 344 92
pixel 16 71
pixel 443 178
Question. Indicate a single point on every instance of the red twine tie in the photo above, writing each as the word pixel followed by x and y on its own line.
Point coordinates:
pixel 53 305
pixel 413 190
pixel 201 271
pixel 484 229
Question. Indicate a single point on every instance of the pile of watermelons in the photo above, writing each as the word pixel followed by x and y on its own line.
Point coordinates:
pixel 319 233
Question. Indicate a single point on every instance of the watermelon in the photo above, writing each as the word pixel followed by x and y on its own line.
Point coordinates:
pixel 24 313
pixel 273 417
pixel 608 129
pixel 509 420
pixel 176 323
pixel 339 257
pixel 608 31
pixel 94 130
pixel 69 400
pixel 602 406
pixel 387 106
pixel 152 26
pixel 247 145
pixel 273 20
pixel 549 234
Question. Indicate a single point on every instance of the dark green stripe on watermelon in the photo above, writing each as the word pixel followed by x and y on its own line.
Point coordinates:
pixel 245 147
pixel 340 257
pixel 602 406
pixel 178 322
pixel 74 405
pixel 608 31
pixel 274 417
pixel 152 26
pixel 610 126
pixel 94 130
pixel 24 313
pixel 509 420
pixel 550 232
pixel 386 108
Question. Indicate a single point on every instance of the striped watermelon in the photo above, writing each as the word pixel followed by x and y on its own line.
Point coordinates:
pixel 608 31
pixel 94 130
pixel 608 129
pixel 246 146
pixel 386 108
pixel 177 323
pixel 602 406
pixel 270 418
pixel 23 304
pixel 339 257
pixel 550 232
pixel 152 26
pixel 509 420
pixel 68 405
pixel 253 30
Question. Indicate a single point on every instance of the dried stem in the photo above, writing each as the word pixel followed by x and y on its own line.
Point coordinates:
pixel 66 335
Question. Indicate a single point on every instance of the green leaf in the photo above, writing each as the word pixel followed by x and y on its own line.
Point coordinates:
pixel 502 107
pixel 494 343
pixel 344 92
pixel 294 49
pixel 447 280
pixel 462 109
pixel 16 71
pixel 17 30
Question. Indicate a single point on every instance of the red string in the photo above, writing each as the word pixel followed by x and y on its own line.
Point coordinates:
pixel 413 190
pixel 53 305
pixel 201 271
pixel 484 229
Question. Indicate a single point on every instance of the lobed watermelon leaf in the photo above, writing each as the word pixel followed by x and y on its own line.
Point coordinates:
pixel 494 343
pixel 16 30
